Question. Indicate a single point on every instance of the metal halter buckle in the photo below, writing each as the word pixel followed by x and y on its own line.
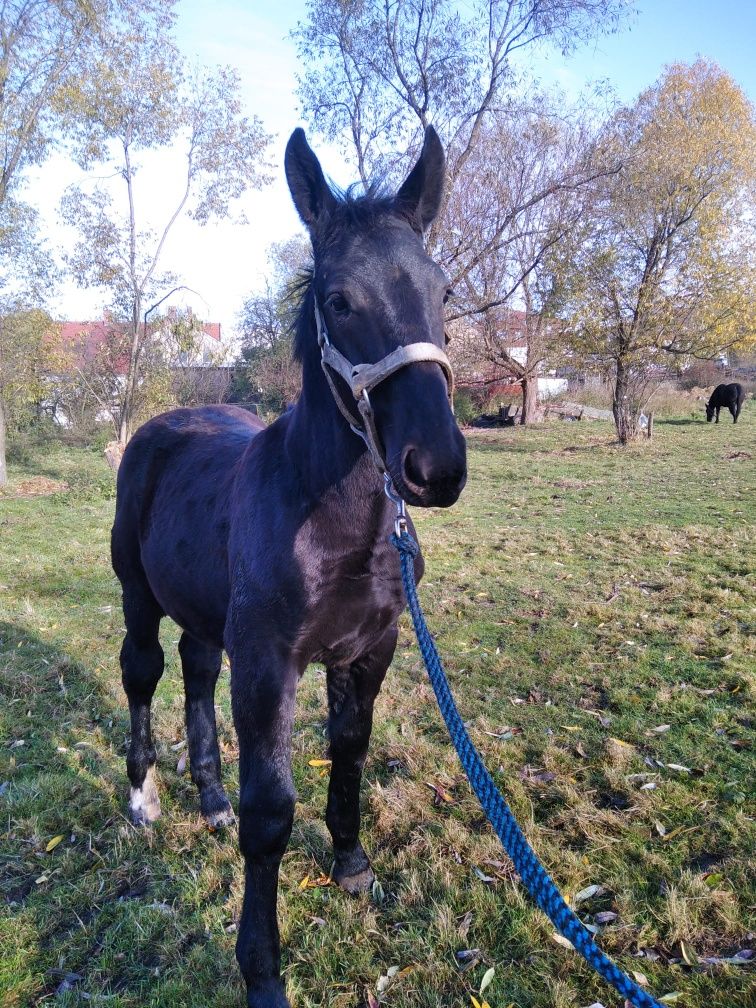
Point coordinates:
pixel 400 522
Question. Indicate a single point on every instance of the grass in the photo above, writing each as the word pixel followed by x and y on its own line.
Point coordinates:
pixel 584 597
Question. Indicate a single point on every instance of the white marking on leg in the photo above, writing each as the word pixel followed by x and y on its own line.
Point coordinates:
pixel 144 803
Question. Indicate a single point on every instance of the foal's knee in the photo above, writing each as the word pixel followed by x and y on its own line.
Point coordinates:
pixel 141 667
pixel 266 816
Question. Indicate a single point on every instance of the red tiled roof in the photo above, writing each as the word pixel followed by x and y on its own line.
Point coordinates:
pixel 86 338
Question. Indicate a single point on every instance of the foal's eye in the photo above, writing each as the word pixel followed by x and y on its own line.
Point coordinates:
pixel 338 304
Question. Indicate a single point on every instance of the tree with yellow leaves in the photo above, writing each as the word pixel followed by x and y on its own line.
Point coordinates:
pixel 664 270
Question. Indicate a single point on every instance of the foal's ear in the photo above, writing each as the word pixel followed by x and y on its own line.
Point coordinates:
pixel 307 183
pixel 420 195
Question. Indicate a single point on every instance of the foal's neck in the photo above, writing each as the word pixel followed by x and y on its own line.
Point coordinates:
pixel 325 452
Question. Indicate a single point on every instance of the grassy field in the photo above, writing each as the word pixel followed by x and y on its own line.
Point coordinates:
pixel 593 608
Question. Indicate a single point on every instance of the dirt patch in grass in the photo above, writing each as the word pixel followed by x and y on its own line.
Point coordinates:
pixel 33 486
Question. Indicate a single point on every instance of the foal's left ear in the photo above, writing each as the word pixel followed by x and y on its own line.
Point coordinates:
pixel 311 193
pixel 420 195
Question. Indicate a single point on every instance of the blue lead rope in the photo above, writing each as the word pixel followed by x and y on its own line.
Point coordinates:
pixel 534 876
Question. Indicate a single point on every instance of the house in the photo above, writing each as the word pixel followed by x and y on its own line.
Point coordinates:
pixel 85 341
pixel 485 379
pixel 94 361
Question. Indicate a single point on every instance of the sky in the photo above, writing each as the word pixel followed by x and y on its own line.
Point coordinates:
pixel 223 262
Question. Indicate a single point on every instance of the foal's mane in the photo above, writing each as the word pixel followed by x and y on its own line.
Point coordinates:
pixel 356 209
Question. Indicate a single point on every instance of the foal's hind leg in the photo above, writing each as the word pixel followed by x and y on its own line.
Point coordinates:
pixel 201 665
pixel 351 694
pixel 141 667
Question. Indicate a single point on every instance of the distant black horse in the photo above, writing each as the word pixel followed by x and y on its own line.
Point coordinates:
pixel 273 542
pixel 732 396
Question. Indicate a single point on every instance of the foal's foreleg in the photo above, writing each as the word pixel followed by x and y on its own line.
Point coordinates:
pixel 201 665
pixel 263 701
pixel 351 694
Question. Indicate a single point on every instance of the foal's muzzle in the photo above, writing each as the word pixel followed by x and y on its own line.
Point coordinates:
pixel 433 481
pixel 425 450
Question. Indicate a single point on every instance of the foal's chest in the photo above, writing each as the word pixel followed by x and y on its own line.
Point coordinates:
pixel 351 600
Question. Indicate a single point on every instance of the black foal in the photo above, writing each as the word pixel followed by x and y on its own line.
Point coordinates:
pixel 273 543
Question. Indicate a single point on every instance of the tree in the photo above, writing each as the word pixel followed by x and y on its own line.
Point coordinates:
pixel 27 357
pixel 533 167
pixel 47 48
pixel 379 71
pixel 140 97
pixel 666 270
pixel 183 362
pixel 267 322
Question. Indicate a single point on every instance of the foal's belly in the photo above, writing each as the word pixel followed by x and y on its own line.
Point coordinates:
pixel 184 555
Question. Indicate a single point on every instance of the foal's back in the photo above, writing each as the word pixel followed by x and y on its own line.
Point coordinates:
pixel 171 523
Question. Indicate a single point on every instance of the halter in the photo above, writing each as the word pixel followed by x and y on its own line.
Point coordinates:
pixel 363 378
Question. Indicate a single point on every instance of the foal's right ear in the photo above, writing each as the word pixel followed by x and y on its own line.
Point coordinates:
pixel 307 185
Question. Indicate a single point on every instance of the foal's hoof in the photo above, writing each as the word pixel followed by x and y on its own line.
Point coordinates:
pixel 216 808
pixel 220 820
pixel 144 804
pixel 355 884
pixel 352 872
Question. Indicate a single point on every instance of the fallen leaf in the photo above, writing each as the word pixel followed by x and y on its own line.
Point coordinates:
pixel 482 876
pixel 660 729
pixel 52 844
pixel 640 978
pixel 561 940
pixel 571 727
pixel 181 765
pixel 588 893
pixel 464 924
pixel 678 767
pixel 671 998
pixel 742 958
pixel 315 883
pixel 372 1003
pixel 319 762
pixel 487 978
pixel 688 954
pixel 440 794
pixel 467 955
pixel 713 879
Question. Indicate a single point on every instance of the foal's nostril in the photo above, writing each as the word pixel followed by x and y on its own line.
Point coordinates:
pixel 425 471
pixel 413 469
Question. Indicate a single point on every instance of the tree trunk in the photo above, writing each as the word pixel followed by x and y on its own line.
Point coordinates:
pixel 3 467
pixel 624 406
pixel 529 398
pixel 126 418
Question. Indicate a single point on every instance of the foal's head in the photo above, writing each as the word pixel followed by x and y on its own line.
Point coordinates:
pixel 377 290
pixel 710 410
